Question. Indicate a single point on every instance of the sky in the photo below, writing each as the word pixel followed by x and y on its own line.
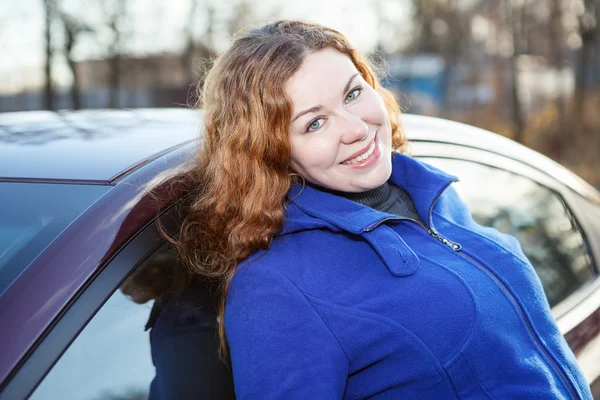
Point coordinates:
pixel 157 26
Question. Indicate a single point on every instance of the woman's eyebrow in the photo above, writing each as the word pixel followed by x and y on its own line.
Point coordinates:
pixel 310 110
pixel 318 108
pixel 349 83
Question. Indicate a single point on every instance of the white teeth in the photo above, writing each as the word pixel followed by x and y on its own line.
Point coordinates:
pixel 361 157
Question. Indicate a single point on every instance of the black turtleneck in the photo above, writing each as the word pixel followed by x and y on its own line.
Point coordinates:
pixel 388 198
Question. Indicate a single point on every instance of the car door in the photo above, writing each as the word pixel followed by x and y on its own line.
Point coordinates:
pixel 101 347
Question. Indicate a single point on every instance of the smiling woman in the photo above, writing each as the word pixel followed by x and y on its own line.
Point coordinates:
pixel 347 268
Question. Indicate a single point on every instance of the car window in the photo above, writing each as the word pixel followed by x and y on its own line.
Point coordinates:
pixel 537 216
pixel 32 215
pixel 144 344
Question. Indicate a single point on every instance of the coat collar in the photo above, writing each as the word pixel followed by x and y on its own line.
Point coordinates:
pixel 311 208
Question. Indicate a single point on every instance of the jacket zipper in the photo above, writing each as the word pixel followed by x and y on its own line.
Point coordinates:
pixel 457 248
pixel 525 320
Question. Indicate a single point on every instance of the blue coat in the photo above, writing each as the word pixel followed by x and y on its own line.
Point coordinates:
pixel 353 303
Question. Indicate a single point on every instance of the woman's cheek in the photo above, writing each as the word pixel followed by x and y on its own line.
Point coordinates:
pixel 324 152
pixel 315 152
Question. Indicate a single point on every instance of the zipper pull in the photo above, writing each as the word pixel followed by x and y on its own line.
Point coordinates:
pixel 452 245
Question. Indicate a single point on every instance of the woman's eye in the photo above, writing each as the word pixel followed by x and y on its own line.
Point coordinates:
pixel 353 94
pixel 316 124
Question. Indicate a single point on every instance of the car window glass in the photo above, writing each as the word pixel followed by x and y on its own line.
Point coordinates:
pixel 144 344
pixel 534 214
pixel 32 215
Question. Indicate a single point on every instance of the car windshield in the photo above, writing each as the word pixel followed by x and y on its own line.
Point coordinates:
pixel 32 215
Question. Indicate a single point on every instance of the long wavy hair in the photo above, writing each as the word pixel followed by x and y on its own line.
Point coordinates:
pixel 242 175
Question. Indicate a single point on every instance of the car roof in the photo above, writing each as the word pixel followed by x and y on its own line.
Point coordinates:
pixel 93 146
pixel 99 146
pixel 430 129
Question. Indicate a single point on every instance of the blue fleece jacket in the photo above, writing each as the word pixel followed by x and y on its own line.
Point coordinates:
pixel 353 303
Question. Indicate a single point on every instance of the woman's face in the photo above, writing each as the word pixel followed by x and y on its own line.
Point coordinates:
pixel 340 132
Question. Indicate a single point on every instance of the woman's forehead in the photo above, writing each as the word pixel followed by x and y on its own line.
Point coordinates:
pixel 321 73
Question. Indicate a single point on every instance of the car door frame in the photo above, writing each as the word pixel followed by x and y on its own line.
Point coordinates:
pixel 84 306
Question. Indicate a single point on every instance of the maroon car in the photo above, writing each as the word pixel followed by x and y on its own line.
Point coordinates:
pixel 81 256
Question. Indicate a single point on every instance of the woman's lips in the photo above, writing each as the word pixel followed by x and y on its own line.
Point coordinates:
pixel 364 150
pixel 370 160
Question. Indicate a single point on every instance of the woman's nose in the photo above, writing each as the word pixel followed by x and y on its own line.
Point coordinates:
pixel 353 128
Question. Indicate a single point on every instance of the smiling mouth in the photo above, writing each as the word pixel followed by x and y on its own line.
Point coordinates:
pixel 363 155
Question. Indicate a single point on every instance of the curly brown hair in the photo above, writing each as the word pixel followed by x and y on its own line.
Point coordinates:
pixel 242 174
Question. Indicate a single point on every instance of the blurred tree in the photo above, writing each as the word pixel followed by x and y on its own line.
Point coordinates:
pixel 242 18
pixel 191 43
pixel 424 38
pixel 115 13
pixel 195 47
pixel 444 27
pixel 210 26
pixel 588 27
pixel 391 31
pixel 74 28
pixel 49 7
pixel 556 35
pixel 198 52
pixel 513 19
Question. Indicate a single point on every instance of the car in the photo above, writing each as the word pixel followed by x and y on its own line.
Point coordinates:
pixel 84 196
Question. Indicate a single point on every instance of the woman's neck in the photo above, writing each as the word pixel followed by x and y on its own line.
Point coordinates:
pixel 374 198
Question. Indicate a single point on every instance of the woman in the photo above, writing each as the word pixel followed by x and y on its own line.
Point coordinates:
pixel 350 270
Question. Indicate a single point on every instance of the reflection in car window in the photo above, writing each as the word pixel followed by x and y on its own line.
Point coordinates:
pixel 145 343
pixel 535 215
pixel 32 215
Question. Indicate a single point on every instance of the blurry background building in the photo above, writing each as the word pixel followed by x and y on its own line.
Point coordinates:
pixel 527 69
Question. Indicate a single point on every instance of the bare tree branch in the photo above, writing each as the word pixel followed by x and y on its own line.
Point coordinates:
pixel 115 12
pixel 73 30
pixel 49 11
pixel 516 34
pixel 588 27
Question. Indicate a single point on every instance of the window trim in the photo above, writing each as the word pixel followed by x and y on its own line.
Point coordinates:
pixel 83 307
